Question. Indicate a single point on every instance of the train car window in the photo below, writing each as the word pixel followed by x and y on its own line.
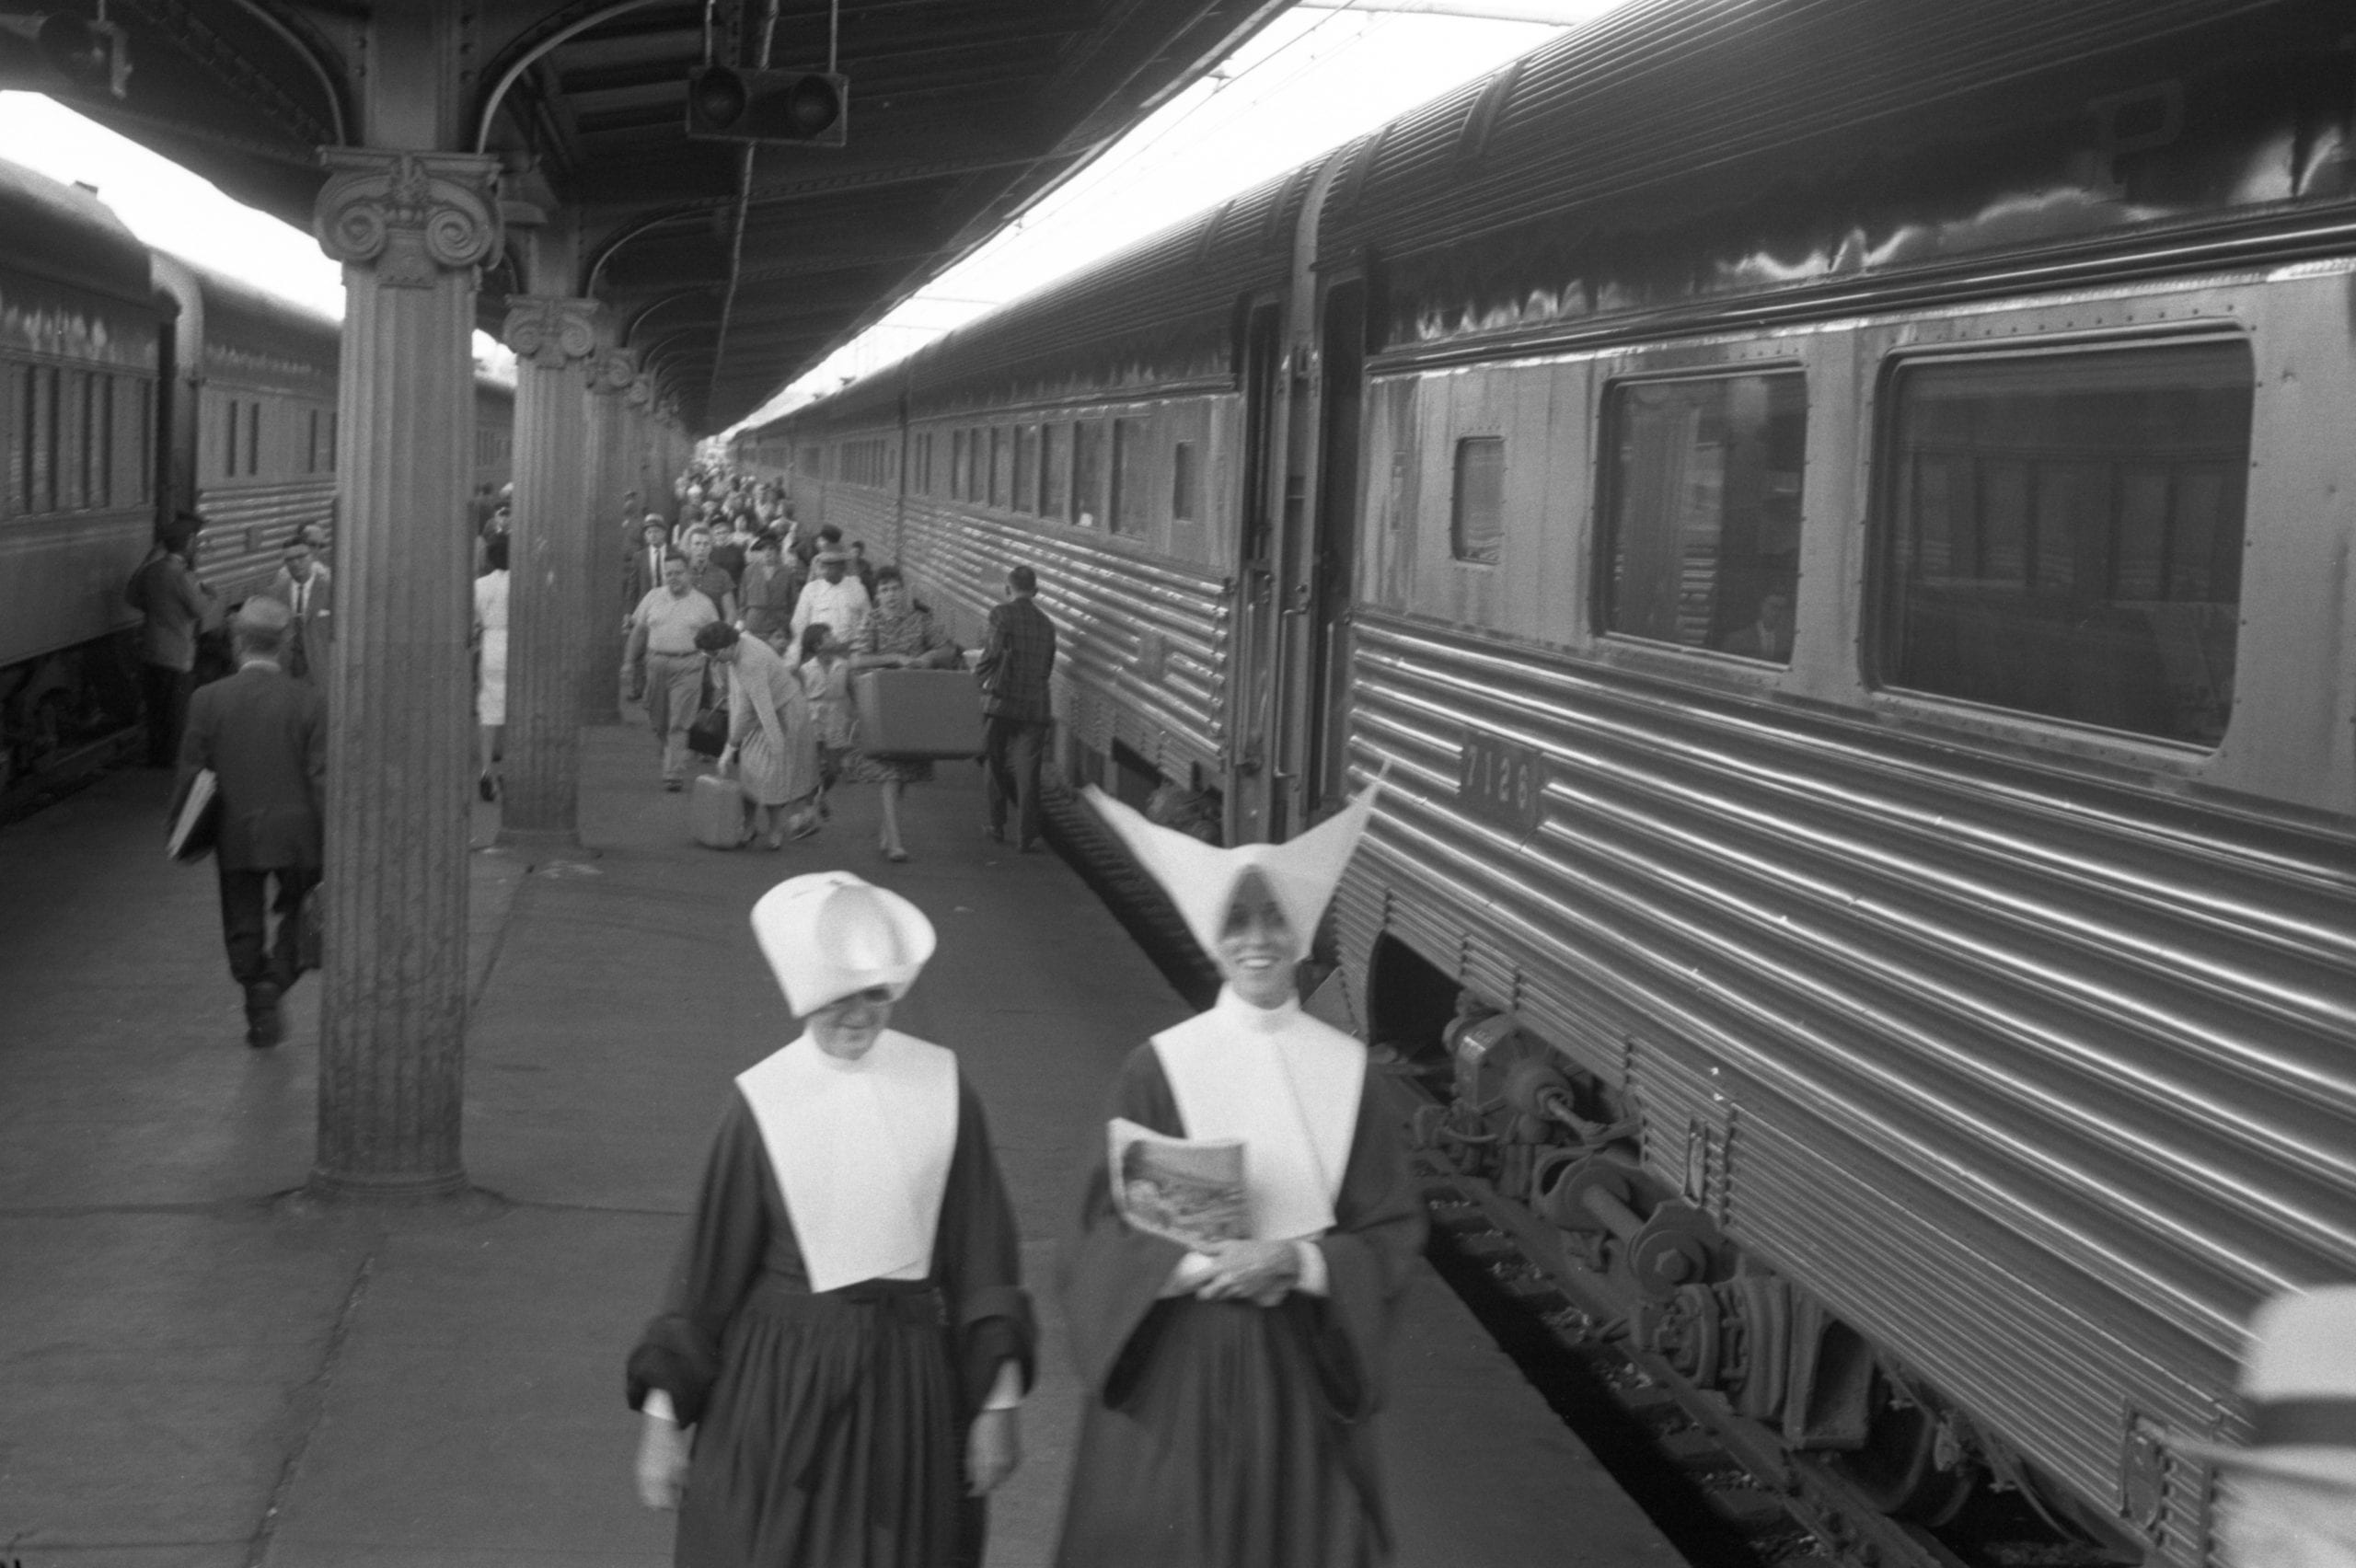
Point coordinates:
pixel 74 442
pixel 253 438
pixel 1701 511
pixel 101 464
pixel 143 419
pixel 1118 504
pixel 40 440
pixel 1055 472
pixel 333 430
pixel 961 469
pixel 1476 512
pixel 1185 497
pixel 1001 461
pixel 1026 468
pixel 229 436
pixel 2061 533
pixel 1087 473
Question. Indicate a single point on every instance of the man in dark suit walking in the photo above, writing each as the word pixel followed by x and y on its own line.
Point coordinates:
pixel 1013 669
pixel 264 736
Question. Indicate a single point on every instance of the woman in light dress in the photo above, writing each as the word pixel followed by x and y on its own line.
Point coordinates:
pixel 491 644
pixel 772 743
pixel 899 635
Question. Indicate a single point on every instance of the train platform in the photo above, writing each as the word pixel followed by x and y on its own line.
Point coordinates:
pixel 202 1370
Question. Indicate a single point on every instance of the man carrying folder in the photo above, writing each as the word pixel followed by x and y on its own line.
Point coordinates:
pixel 263 734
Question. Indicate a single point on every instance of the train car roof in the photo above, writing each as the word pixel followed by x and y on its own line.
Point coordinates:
pixel 253 334
pixel 66 235
pixel 1154 317
pixel 1679 151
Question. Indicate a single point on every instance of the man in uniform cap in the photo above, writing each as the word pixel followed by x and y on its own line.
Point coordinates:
pixel 263 734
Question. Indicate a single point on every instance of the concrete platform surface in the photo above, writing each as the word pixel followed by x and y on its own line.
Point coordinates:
pixel 197 1370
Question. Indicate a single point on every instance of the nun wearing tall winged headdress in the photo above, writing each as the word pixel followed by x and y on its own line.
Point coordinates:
pixel 833 1377
pixel 1230 1389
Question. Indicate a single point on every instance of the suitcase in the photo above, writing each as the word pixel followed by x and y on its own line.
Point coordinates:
pixel 919 713
pixel 716 811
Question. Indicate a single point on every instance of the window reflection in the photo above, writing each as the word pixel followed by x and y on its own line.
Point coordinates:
pixel 2063 534
pixel 1703 510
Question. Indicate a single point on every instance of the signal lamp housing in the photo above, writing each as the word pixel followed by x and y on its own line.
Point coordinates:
pixel 728 105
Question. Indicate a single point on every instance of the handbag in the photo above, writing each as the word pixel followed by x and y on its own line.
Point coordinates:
pixel 708 736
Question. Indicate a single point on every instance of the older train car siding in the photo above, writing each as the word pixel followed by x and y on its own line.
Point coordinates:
pixel 255 420
pixel 1988 1029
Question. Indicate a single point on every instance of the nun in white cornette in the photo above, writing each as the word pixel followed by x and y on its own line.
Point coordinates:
pixel 833 1377
pixel 1231 1393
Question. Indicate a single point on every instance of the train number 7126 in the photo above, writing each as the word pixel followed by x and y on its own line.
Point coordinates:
pixel 1500 782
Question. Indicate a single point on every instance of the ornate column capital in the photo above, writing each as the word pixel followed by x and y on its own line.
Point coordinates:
pixel 550 331
pixel 641 392
pixel 613 370
pixel 412 215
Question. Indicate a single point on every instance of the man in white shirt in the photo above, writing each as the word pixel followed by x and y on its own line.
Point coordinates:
pixel 835 600
pixel 663 660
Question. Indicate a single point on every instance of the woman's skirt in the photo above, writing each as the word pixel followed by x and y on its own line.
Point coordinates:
pixel 490 695
pixel 774 776
pixel 833 1436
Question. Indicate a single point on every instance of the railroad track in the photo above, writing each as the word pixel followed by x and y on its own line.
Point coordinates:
pixel 1724 1489
pixel 68 769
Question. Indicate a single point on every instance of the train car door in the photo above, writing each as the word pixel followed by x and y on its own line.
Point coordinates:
pixel 1255 811
pixel 1329 578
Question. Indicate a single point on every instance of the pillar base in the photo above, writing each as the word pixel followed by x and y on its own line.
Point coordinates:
pixel 540 846
pixel 325 1189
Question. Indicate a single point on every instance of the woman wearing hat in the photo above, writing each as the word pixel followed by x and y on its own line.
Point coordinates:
pixel 1230 1388
pixel 838 1362
pixel 771 742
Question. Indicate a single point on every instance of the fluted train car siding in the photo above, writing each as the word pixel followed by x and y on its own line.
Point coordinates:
pixel 1104 601
pixel 1993 1034
pixel 247 527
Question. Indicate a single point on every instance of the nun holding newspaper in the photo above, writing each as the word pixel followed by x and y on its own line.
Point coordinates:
pixel 1242 1246
pixel 846 1335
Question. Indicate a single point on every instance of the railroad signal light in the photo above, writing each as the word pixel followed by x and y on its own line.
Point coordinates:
pixel 728 105
pixel 41 51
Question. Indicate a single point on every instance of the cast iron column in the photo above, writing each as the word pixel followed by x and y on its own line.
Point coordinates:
pixel 613 539
pixel 411 229
pixel 548 561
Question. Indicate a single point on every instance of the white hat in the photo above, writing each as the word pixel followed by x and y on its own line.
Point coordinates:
pixel 2299 1384
pixel 1301 872
pixel 828 934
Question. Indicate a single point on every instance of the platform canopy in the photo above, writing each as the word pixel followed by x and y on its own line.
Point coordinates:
pixel 731 268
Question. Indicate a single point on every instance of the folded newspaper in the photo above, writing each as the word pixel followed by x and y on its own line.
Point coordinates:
pixel 1186 1190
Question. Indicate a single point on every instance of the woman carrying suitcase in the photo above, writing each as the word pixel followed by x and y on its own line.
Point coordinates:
pixel 771 742
pixel 898 635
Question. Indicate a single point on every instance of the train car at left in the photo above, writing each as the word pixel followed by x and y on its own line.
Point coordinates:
pixel 252 415
pixel 82 340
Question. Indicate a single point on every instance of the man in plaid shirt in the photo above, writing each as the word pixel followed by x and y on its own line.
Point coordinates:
pixel 1013 668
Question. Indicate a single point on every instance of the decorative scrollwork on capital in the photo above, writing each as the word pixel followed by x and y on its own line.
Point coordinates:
pixel 641 393
pixel 413 216
pixel 614 370
pixel 549 330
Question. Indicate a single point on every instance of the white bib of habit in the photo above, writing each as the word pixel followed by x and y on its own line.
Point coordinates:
pixel 861 1152
pixel 1285 1084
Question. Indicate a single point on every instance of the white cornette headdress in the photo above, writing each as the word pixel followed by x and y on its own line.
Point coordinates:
pixel 1200 879
pixel 2299 1382
pixel 828 934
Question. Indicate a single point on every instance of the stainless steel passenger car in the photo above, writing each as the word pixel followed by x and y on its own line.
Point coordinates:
pixel 81 350
pixel 1836 517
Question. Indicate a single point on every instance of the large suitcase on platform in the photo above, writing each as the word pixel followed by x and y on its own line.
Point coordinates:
pixel 919 713
pixel 716 811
